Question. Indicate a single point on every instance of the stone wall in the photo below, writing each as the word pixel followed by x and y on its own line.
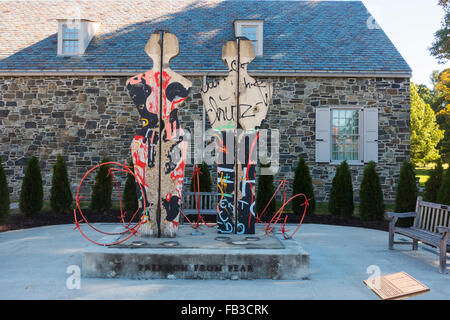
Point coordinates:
pixel 88 117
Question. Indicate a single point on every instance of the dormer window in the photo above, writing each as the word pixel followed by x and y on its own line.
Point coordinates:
pixel 252 30
pixel 74 36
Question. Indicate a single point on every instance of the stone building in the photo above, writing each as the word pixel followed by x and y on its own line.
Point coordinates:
pixel 341 88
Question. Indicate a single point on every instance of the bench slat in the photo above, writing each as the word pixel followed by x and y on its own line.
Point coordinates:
pixel 434 205
pixel 446 220
pixel 427 237
pixel 431 219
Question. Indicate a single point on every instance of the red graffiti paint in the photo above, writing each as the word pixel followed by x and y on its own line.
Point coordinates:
pixel 139 153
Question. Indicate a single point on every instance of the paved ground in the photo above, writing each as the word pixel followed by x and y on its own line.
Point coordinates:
pixel 33 265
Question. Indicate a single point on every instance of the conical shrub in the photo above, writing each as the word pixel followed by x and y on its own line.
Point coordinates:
pixel 406 195
pixel 371 206
pixel 433 183
pixel 302 184
pixel 333 206
pixel 102 190
pixel 341 201
pixel 204 179
pixel 4 194
pixel 264 191
pixel 129 197
pixel 31 193
pixel 443 196
pixel 60 193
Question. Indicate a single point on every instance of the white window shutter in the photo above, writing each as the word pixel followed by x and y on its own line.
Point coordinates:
pixel 370 134
pixel 323 135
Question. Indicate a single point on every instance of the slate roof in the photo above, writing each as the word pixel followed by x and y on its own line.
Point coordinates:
pixel 301 36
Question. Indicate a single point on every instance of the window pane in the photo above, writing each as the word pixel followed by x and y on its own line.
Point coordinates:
pixel 345 134
pixel 70 46
pixel 70 33
pixel 250 33
pixel 70 39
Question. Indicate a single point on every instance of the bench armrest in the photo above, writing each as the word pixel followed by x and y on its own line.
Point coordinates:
pixel 443 229
pixel 401 214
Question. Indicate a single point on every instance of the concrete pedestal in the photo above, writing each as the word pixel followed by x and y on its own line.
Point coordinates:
pixel 199 254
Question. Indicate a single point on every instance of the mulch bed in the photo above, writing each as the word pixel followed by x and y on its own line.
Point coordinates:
pixel 17 221
pixel 46 218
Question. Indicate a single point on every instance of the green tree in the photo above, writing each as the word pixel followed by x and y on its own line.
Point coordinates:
pixel 32 193
pixel 129 197
pixel 265 191
pixel 4 194
pixel 60 193
pixel 303 184
pixel 406 195
pixel 425 132
pixel 440 48
pixel 433 97
pixel 443 118
pixel 443 114
pixel 204 179
pixel 443 196
pixel 433 183
pixel 341 201
pixel 102 190
pixel 371 205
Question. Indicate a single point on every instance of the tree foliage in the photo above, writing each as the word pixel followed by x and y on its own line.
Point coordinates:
pixel 440 48
pixel 425 132
pixel 303 184
pixel 60 193
pixel 371 205
pixel 443 115
pixel 443 85
pixel 433 96
pixel 341 201
pixel 32 193
pixel 4 194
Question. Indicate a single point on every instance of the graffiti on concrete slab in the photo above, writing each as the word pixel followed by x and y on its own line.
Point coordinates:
pixel 236 106
pixel 158 148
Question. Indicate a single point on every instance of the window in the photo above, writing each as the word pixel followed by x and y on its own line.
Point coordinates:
pixel 252 30
pixel 349 134
pixel 70 39
pixel 345 135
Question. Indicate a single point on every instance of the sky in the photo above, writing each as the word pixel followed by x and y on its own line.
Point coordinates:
pixel 411 24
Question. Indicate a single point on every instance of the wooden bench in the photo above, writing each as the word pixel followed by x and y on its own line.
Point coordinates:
pixel 207 203
pixel 431 226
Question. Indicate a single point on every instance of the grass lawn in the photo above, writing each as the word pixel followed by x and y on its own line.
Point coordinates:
pixel 423 173
pixel 322 208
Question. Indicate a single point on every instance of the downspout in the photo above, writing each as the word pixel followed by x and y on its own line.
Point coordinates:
pixel 203 121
